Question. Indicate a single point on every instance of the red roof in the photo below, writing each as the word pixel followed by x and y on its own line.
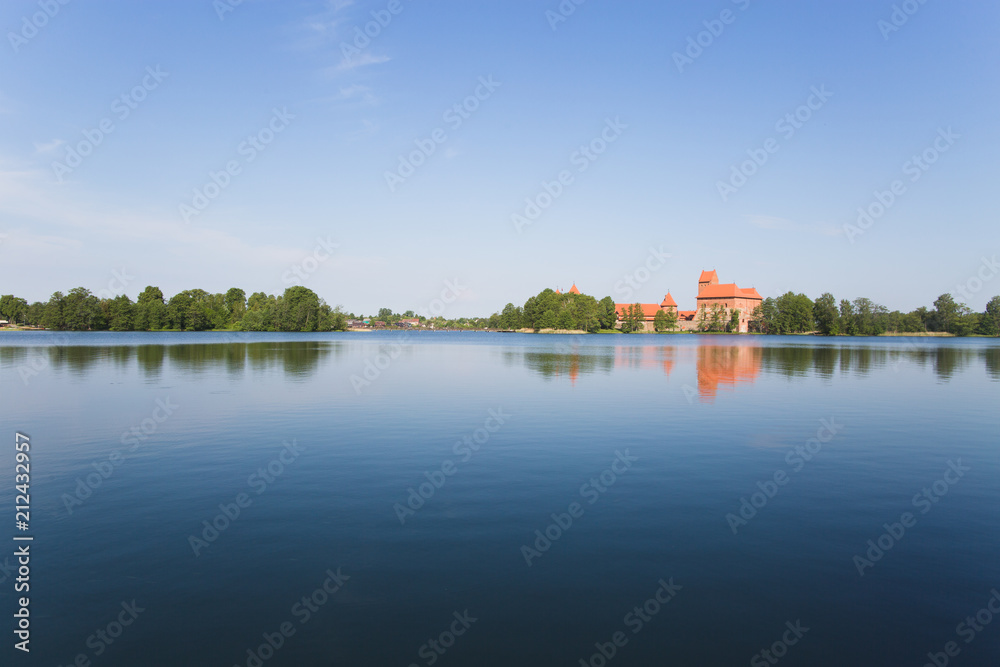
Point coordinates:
pixel 573 289
pixel 686 314
pixel 668 301
pixel 728 291
pixel 649 310
pixel 708 276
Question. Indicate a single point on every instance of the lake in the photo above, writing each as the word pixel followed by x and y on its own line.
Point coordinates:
pixel 504 499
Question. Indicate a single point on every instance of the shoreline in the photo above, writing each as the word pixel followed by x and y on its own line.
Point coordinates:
pixel 563 332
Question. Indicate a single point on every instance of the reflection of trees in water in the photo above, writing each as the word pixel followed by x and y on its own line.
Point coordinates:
pixel 297 359
pixel 993 362
pixel 294 358
pixel 556 364
pixel 799 360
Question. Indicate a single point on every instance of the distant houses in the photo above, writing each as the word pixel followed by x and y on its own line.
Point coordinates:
pixel 407 323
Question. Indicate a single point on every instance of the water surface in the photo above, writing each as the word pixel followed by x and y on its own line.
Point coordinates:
pixel 652 442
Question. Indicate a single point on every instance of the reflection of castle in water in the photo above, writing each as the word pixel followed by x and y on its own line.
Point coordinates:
pixel 717 365
pixel 727 366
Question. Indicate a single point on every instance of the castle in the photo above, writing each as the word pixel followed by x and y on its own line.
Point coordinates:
pixel 710 292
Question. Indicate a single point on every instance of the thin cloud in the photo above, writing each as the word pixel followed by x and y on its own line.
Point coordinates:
pixel 49 147
pixel 363 60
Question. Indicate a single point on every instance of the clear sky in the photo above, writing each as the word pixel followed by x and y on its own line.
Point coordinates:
pixel 311 118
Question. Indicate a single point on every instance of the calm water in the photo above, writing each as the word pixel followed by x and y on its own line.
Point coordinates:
pixel 643 447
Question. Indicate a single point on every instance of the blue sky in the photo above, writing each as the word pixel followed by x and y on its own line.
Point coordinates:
pixel 330 122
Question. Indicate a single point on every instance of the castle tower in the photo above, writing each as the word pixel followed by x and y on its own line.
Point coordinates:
pixel 707 278
pixel 668 303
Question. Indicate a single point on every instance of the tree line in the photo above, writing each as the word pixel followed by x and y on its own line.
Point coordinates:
pixel 298 309
pixel 797 313
pixel 301 309
pixel 554 310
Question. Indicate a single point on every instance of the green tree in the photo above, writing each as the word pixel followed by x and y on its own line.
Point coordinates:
pixel 297 310
pixel 335 319
pixel 14 309
pixel 81 311
pixel 795 313
pixel 633 318
pixel 531 313
pixel 121 313
pixel 989 321
pixel 236 305
pixel 150 311
pixel 848 322
pixel 607 315
pixel 660 321
pixel 258 301
pixel 826 315
pixel 53 318
pixel 734 321
pixel 510 318
pixel 36 312
pixel 764 317
pixel 547 320
pixel 946 313
pixel 671 319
